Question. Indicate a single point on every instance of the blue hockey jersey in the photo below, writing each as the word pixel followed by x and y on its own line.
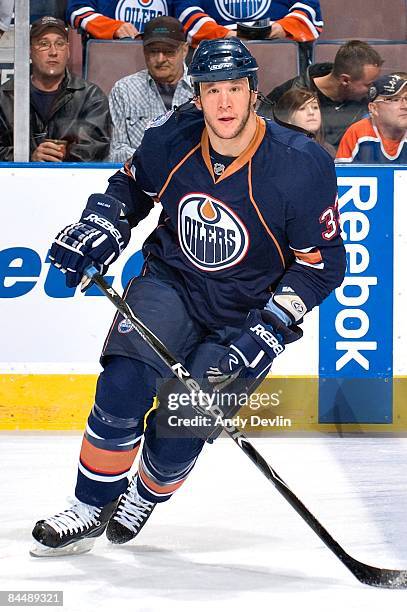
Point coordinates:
pixel 202 19
pixel 270 220
pixel 101 18
pixel 363 143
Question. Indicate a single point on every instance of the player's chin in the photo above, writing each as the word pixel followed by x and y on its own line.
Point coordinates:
pixel 227 128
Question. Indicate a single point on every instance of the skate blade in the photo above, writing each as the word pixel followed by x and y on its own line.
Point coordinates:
pixel 76 548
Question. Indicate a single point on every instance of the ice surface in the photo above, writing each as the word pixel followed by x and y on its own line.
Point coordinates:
pixel 227 541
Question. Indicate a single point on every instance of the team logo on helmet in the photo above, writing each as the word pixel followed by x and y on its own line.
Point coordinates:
pixel 241 9
pixel 138 12
pixel 211 235
pixel 124 326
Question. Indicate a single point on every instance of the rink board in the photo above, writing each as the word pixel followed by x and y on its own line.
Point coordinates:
pixel 348 372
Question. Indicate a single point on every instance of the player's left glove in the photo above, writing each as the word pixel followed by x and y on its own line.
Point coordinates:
pixel 263 338
pixel 98 238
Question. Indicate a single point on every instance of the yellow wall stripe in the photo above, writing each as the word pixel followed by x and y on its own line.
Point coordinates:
pixel 45 401
pixel 55 402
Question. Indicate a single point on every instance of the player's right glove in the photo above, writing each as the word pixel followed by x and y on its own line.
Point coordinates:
pixel 263 338
pixel 98 238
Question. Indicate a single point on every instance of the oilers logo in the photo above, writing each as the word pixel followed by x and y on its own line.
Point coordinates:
pixel 211 235
pixel 139 12
pixel 124 326
pixel 241 10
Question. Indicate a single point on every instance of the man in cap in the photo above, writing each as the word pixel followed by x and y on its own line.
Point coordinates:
pixel 69 117
pixel 381 137
pixel 138 98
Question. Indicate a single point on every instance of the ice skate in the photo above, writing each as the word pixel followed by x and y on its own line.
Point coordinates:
pixel 131 515
pixel 72 531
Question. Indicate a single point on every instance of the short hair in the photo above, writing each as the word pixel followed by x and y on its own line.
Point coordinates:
pixel 353 56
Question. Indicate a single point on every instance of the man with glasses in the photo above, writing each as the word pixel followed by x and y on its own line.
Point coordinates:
pixel 69 117
pixel 138 98
pixel 381 137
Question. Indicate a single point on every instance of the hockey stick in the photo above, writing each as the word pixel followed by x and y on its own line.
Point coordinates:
pixel 373 576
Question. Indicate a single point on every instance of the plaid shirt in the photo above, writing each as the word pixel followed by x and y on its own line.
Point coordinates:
pixel 134 101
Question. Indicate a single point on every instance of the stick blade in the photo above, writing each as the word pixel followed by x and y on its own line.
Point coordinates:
pixel 379 577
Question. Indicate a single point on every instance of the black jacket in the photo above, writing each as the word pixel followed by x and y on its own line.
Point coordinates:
pixel 336 116
pixel 80 115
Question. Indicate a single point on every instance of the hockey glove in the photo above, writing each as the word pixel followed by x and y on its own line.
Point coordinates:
pixel 263 338
pixel 98 238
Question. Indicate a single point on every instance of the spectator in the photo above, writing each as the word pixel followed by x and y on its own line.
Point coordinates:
pixel 140 97
pixel 341 87
pixel 62 106
pixel 299 21
pixel 381 137
pixel 113 18
pixel 6 13
pixel 300 107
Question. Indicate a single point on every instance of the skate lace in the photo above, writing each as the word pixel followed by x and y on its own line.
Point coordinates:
pixel 133 509
pixel 77 518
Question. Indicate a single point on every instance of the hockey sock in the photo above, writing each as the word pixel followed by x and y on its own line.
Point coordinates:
pixel 157 483
pixel 125 392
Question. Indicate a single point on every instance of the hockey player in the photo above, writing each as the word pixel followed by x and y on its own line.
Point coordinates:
pixel 247 243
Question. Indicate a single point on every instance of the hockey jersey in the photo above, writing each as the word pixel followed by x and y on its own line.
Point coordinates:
pixel 269 220
pixel 362 143
pixel 302 21
pixel 101 18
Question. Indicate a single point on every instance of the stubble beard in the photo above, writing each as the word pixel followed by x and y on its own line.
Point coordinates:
pixel 239 129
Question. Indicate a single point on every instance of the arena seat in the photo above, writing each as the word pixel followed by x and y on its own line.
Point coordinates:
pixel 39 8
pixel 108 61
pixel 277 60
pixel 393 52
pixel 373 19
pixel 75 52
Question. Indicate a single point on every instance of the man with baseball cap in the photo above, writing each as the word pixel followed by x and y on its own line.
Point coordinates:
pixel 47 23
pixel 138 98
pixel 381 137
pixel 69 117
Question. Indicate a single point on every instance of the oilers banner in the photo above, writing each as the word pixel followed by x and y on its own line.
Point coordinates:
pixel 349 371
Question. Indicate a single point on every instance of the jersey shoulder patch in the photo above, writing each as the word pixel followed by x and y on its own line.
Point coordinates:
pixel 160 120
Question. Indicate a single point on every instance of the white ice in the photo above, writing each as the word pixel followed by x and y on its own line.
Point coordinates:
pixel 227 541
